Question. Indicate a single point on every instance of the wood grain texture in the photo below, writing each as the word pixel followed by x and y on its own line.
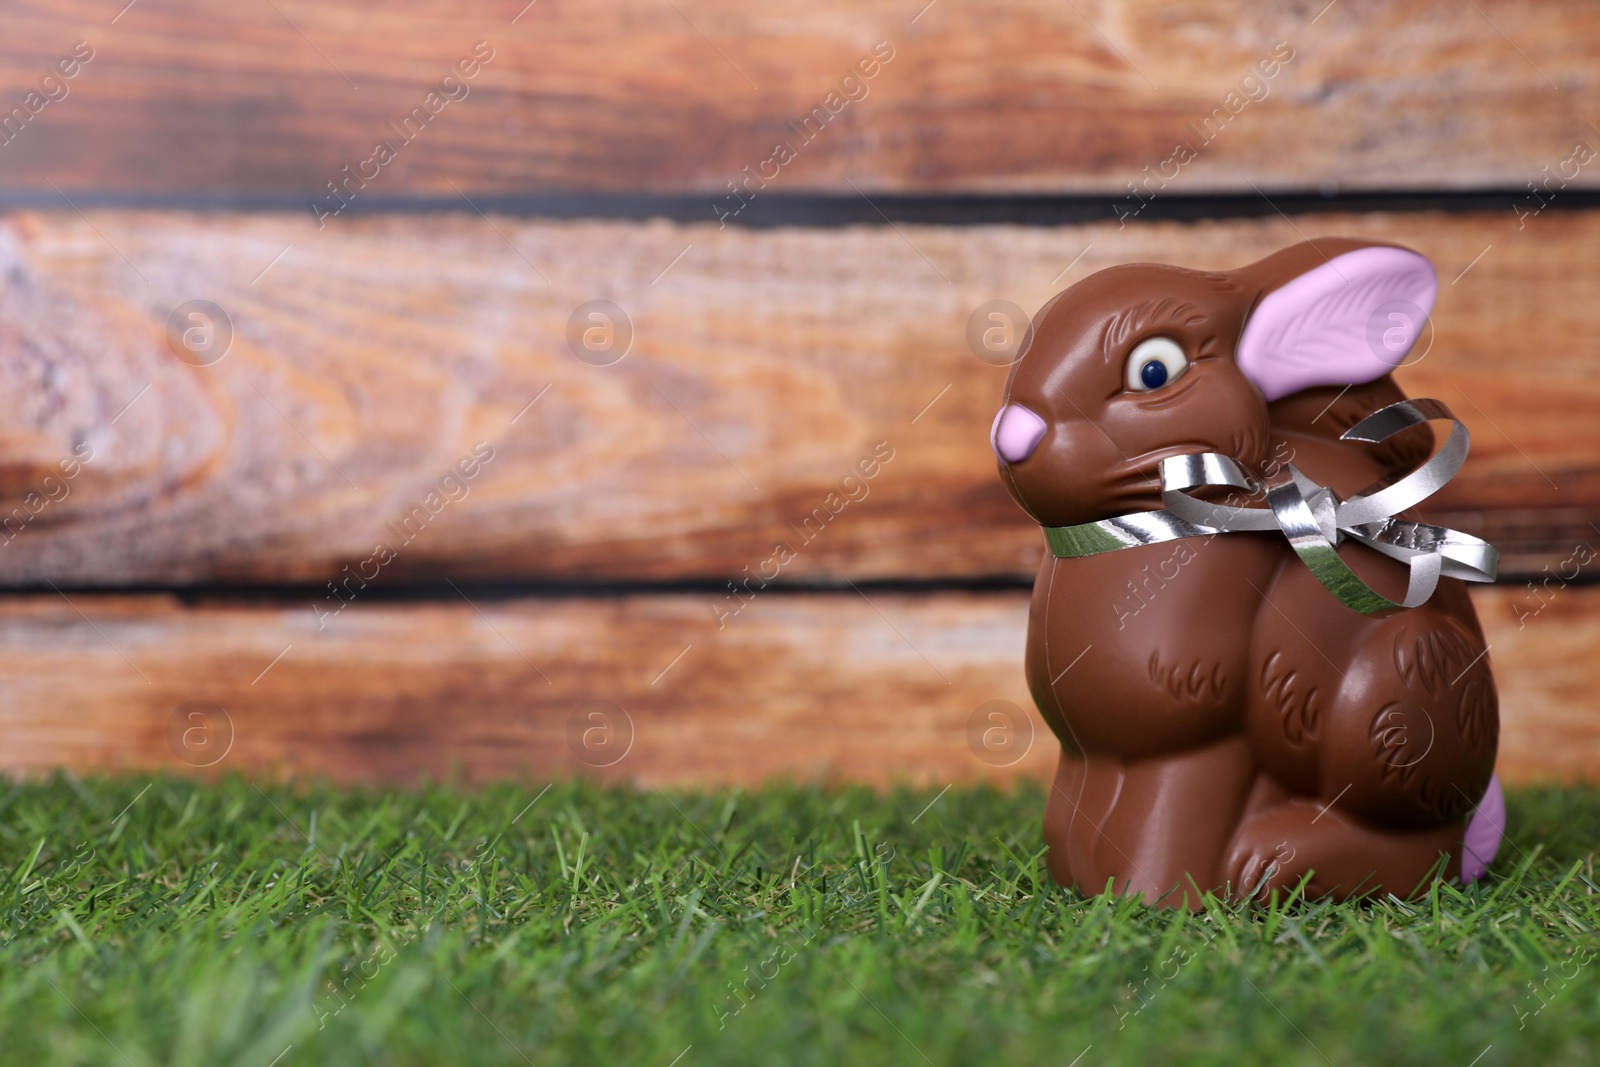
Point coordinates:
pixel 829 686
pixel 1025 95
pixel 765 367
pixel 1542 637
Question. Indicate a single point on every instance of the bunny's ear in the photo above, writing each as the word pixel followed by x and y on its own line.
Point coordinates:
pixel 1346 322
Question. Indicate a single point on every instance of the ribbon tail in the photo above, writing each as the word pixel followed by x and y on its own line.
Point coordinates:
pixel 1425 571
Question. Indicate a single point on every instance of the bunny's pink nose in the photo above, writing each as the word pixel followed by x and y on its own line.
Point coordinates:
pixel 1016 433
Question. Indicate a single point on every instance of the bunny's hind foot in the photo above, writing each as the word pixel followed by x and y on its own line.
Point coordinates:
pixel 1344 857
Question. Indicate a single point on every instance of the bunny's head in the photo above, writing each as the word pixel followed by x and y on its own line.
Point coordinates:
pixel 1141 362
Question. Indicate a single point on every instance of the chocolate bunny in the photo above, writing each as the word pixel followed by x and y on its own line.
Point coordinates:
pixel 1226 723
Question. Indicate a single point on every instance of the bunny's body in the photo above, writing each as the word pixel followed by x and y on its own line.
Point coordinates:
pixel 1225 722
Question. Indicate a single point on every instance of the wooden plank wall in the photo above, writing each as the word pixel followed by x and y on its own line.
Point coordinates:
pixel 394 213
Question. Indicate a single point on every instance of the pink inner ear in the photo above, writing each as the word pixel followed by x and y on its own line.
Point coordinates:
pixel 1346 322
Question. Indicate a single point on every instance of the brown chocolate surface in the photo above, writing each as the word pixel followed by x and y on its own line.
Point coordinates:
pixel 1225 722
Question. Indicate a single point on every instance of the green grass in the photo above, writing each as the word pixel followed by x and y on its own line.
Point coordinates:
pixel 157 921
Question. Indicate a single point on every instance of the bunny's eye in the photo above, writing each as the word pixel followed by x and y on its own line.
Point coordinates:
pixel 1154 363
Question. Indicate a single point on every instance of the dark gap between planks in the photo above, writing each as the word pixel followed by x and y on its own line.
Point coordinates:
pixel 442 591
pixel 827 210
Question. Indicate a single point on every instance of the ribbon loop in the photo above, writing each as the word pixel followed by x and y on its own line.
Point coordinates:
pixel 1382 499
pixel 1312 517
pixel 1199 470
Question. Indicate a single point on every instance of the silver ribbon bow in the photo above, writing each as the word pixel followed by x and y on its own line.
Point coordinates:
pixel 1313 517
